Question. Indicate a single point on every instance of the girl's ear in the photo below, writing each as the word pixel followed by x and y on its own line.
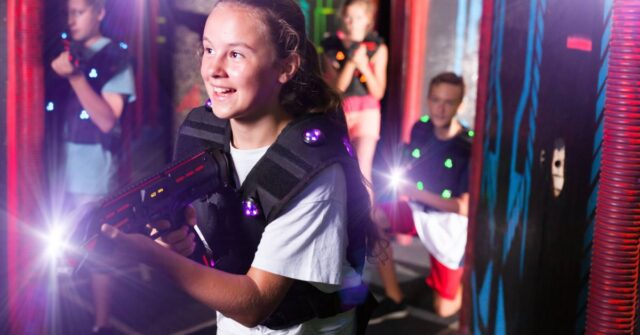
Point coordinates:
pixel 290 66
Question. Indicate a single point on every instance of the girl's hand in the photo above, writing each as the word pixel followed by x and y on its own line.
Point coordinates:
pixel 132 247
pixel 62 66
pixel 360 58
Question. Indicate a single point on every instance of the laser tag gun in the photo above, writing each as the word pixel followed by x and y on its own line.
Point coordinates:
pixel 75 50
pixel 162 196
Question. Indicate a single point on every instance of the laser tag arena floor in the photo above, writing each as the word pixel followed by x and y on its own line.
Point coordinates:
pixel 147 303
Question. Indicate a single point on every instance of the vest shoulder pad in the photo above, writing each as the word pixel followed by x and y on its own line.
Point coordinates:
pixel 303 149
pixel 200 130
pixel 331 43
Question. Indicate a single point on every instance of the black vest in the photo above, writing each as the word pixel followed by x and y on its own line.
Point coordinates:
pixel 334 49
pixel 440 167
pixel 286 169
pixel 98 69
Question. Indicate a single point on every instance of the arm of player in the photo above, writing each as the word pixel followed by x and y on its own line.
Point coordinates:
pixel 377 75
pixel 248 299
pixel 459 205
pixel 104 109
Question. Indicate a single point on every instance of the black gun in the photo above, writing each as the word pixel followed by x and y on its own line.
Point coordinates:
pixel 162 196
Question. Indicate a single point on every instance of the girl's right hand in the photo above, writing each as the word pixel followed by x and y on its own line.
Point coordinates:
pixel 181 240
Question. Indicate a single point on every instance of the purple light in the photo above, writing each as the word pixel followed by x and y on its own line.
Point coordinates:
pixel 347 145
pixel 209 103
pixel 313 136
pixel 250 208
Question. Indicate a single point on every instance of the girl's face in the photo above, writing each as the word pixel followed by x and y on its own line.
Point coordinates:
pixel 241 72
pixel 84 20
pixel 357 20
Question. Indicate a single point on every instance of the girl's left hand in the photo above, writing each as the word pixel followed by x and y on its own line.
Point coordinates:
pixel 134 247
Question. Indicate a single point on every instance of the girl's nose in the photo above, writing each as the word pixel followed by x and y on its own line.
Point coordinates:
pixel 215 67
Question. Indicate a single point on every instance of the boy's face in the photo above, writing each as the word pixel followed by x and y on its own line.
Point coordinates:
pixel 443 102
pixel 83 19
pixel 239 65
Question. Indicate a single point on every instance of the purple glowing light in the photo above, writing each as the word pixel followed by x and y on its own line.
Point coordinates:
pixel 313 136
pixel 250 208
pixel 347 145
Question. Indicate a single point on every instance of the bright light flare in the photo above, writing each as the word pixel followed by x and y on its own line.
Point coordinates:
pixel 56 242
pixel 396 178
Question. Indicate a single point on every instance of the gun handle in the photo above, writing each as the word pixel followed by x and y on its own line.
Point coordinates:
pixel 202 253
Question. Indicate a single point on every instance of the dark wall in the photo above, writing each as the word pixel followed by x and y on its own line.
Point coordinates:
pixel 532 247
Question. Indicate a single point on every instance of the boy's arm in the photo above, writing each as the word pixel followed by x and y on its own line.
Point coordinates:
pixel 459 205
pixel 104 110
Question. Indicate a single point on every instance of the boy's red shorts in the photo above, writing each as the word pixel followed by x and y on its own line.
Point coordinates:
pixel 442 279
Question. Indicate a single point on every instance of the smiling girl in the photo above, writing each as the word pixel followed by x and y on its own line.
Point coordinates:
pixel 286 262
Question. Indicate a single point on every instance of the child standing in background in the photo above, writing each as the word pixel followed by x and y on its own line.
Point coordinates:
pixel 355 63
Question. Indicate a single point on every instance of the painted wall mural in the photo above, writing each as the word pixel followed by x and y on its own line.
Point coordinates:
pixel 542 135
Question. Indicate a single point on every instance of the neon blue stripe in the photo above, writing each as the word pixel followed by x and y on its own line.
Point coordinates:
pixel 604 41
pixel 501 325
pixel 595 167
pixel 514 207
pixel 475 14
pixel 461 21
pixel 474 303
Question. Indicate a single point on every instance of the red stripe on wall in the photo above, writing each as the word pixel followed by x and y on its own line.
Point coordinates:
pixel 12 193
pixel 477 154
pixel 24 138
pixel 416 49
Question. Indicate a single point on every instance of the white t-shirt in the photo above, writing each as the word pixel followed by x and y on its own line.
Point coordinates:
pixel 444 234
pixel 307 242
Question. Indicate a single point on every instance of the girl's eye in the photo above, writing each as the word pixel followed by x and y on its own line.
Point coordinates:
pixel 235 54
pixel 208 51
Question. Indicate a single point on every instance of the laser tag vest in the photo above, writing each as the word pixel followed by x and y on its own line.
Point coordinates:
pixel 438 166
pixel 235 218
pixel 335 50
pixel 98 69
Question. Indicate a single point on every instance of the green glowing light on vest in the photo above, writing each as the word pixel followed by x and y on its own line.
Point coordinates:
pixel 471 133
pixel 420 186
pixel 448 163
pixel 424 118
pixel 415 153
pixel 446 194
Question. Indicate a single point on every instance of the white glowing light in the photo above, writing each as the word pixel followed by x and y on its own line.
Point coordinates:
pixel 396 177
pixel 50 106
pixel 55 242
pixel 64 36
pixel 84 115
pixel 124 45
pixel 93 73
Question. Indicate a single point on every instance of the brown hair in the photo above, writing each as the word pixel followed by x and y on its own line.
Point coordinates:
pixel 96 4
pixel 447 78
pixel 306 92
